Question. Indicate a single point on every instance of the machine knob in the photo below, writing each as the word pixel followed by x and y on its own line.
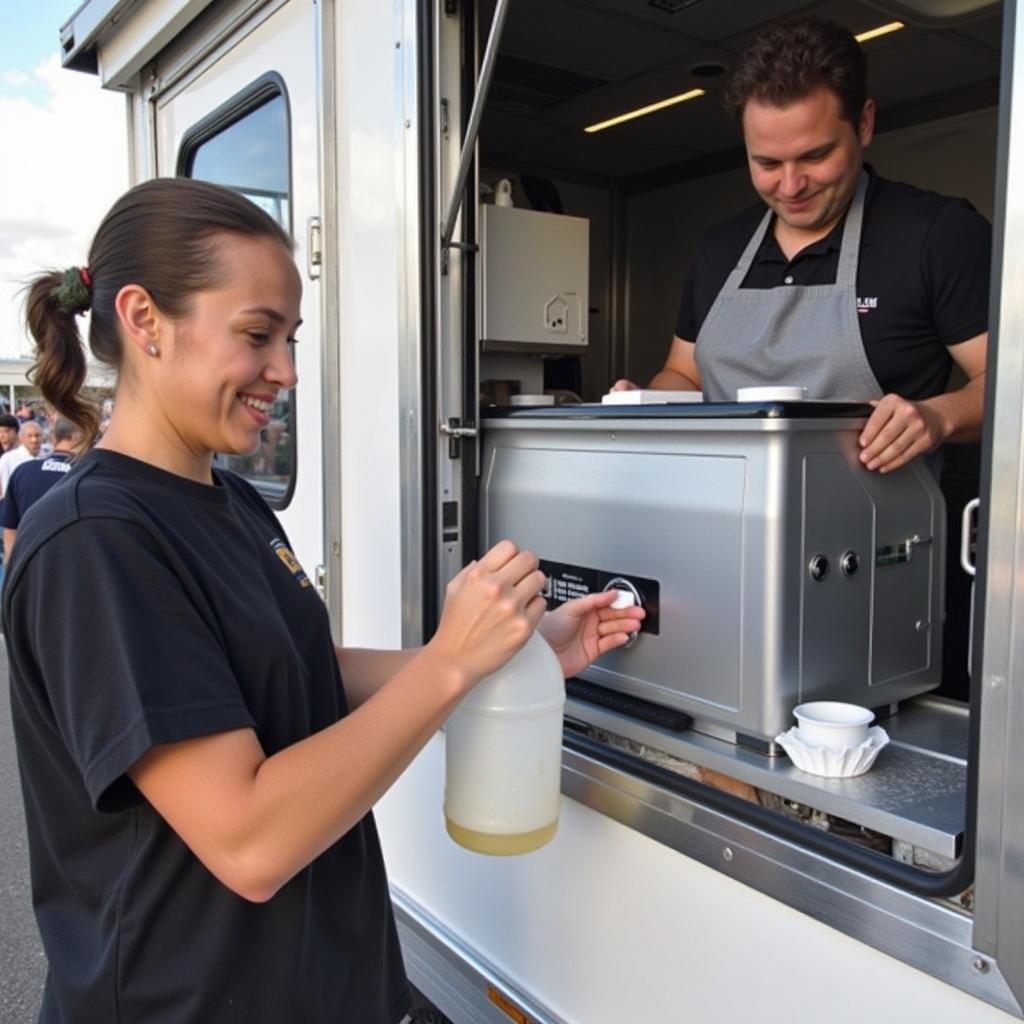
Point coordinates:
pixel 818 567
pixel 849 563
pixel 626 587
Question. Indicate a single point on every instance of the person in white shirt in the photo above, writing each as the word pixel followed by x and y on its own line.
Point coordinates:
pixel 31 437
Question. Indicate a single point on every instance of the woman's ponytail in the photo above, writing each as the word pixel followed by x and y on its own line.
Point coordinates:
pixel 161 235
pixel 54 300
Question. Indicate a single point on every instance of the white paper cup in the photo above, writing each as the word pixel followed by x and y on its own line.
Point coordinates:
pixel 772 393
pixel 832 724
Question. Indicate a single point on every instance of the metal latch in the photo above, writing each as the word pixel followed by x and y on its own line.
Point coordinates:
pixel 455 432
pixel 314 247
pixel 894 554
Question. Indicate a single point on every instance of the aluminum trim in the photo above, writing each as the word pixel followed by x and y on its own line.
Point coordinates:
pixel 410 369
pixel 449 972
pixel 330 313
pixel 928 935
pixel 448 374
pixel 467 158
pixel 213 35
pixel 85 27
pixel 999 881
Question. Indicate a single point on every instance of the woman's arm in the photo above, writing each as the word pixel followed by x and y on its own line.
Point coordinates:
pixel 255 821
pixel 579 632
pixel 364 671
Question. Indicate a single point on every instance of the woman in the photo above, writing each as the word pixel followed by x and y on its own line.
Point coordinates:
pixel 198 760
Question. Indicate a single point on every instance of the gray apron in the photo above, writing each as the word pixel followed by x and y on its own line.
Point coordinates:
pixel 801 335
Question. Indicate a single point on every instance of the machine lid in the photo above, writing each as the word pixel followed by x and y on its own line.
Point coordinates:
pixel 687 411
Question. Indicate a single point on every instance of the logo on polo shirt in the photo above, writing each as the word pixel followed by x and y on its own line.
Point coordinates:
pixel 867 304
pixel 290 562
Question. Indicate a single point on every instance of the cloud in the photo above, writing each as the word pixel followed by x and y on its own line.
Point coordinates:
pixel 13 234
pixel 57 180
pixel 17 78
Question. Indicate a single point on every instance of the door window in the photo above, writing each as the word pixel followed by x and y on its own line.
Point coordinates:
pixel 245 146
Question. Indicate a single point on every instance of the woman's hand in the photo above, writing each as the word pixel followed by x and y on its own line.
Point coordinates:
pixel 490 610
pixel 580 631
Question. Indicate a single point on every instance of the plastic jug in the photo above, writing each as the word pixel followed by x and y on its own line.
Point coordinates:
pixel 503 756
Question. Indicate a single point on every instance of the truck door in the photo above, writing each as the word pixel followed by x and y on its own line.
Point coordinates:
pixel 247 120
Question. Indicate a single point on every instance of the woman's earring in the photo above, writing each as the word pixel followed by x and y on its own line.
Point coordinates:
pixel 153 350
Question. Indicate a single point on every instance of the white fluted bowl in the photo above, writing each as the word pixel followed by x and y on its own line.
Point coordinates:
pixel 834 764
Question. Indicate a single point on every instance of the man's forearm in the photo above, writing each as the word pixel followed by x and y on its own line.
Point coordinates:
pixel 961 411
pixel 672 380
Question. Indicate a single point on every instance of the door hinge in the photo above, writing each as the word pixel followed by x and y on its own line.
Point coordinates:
pixel 320 581
pixel 314 247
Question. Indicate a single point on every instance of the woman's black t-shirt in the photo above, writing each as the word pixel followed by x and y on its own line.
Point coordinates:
pixel 142 608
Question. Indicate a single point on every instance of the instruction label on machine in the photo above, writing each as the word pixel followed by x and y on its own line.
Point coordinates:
pixel 567 582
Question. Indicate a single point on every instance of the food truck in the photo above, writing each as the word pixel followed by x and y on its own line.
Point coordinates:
pixel 478 268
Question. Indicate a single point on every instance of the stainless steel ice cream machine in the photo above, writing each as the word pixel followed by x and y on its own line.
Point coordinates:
pixel 774 568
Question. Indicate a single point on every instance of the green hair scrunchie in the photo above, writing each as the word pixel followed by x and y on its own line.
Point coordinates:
pixel 73 294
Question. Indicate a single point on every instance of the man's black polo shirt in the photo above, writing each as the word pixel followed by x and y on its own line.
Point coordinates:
pixel 922 279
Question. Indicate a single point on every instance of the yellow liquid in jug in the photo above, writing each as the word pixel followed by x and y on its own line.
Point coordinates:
pixel 501 844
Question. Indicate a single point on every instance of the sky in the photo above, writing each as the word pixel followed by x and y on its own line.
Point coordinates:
pixel 64 146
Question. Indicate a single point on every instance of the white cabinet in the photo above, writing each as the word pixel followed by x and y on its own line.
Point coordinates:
pixel 535 280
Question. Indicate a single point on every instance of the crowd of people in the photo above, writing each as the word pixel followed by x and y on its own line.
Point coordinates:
pixel 37 438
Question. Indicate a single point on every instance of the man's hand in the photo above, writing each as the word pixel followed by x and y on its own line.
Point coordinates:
pixel 898 431
pixel 624 385
pixel 580 631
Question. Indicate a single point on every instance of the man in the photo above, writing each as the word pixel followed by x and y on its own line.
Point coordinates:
pixel 855 287
pixel 30 437
pixel 8 432
pixel 32 479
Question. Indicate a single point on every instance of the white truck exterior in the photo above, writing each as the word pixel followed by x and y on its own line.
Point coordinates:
pixel 651 904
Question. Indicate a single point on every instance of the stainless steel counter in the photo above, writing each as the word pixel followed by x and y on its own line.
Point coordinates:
pixel 915 791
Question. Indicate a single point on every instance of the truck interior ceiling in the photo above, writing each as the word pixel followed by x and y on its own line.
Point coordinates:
pixel 647 188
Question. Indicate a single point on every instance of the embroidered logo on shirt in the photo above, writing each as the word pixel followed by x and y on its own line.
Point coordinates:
pixel 867 304
pixel 291 563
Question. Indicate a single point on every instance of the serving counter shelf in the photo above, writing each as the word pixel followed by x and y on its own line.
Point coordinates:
pixel 915 792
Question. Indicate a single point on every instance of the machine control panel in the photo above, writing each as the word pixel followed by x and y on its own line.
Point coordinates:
pixel 566 582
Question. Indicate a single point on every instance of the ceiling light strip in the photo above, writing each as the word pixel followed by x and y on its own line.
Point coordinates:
pixel 660 105
pixel 882 30
pixel 863 37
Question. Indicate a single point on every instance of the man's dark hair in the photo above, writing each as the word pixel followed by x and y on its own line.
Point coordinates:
pixel 786 63
pixel 7 420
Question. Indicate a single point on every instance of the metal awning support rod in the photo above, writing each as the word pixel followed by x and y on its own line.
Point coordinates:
pixel 473 128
